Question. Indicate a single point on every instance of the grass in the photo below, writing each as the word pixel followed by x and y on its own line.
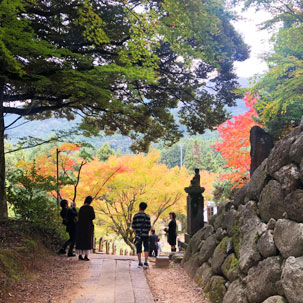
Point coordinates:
pixel 20 247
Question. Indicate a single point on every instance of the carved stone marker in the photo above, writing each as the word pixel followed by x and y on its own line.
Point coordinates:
pixel 261 144
pixel 195 206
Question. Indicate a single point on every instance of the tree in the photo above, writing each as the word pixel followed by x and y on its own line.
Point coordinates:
pixel 80 175
pixel 116 66
pixel 147 180
pixel 280 90
pixel 235 144
pixel 104 152
pixel 197 153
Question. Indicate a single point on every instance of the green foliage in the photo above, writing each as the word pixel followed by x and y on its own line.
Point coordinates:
pixel 104 152
pixel 197 153
pixel 280 90
pixel 29 197
pixel 223 191
pixel 117 66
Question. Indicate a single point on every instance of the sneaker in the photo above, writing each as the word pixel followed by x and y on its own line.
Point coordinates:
pixel 140 265
pixel 71 255
pixel 80 258
pixel 145 266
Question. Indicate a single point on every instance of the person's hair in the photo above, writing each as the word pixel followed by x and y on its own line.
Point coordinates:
pixel 142 206
pixel 63 203
pixel 153 231
pixel 88 200
pixel 173 215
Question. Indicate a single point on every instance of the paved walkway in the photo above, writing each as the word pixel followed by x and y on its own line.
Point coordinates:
pixel 114 279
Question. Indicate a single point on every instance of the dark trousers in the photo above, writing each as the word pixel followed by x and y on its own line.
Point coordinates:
pixel 153 252
pixel 70 242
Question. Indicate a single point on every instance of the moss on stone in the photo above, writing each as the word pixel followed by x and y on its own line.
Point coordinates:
pixel 230 267
pixel 256 237
pixel 217 289
pixel 221 248
pixel 234 264
pixel 236 233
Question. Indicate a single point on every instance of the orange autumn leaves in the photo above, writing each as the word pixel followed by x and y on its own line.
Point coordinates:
pixel 93 174
pixel 162 186
pixel 235 145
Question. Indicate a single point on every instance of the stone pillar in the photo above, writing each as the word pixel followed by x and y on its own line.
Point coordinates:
pixel 261 144
pixel 94 244
pixel 107 247
pixel 195 206
pixel 101 244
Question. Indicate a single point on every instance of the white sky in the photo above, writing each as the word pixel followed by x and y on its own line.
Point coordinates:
pixel 256 39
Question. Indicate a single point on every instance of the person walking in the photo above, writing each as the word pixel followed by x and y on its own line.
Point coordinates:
pixel 153 243
pixel 141 226
pixel 172 232
pixel 85 232
pixel 69 216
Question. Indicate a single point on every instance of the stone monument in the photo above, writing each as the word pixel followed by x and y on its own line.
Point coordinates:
pixel 261 144
pixel 195 206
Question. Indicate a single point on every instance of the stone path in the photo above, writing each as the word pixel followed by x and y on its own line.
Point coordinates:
pixel 114 279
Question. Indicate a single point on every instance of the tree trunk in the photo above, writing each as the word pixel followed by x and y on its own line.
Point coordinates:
pixel 3 203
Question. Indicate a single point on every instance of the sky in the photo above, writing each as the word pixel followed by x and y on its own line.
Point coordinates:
pixel 256 39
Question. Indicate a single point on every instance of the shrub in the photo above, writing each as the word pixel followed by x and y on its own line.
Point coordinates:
pixel 28 195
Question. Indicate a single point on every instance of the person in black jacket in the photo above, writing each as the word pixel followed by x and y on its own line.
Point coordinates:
pixel 172 232
pixel 69 217
pixel 85 234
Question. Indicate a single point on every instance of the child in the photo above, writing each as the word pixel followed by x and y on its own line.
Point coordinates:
pixel 153 243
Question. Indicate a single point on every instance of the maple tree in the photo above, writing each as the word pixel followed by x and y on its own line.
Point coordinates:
pixel 75 182
pixel 234 145
pixel 147 180
pixel 118 185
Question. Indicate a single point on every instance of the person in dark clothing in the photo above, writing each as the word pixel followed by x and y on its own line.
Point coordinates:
pixel 141 225
pixel 153 243
pixel 172 232
pixel 69 219
pixel 85 232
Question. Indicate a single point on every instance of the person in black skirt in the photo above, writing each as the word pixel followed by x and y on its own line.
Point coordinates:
pixel 172 231
pixel 85 233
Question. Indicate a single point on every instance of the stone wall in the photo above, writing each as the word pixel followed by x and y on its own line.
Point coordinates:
pixel 252 250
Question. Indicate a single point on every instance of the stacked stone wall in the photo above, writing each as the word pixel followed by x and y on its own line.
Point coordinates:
pixel 252 250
